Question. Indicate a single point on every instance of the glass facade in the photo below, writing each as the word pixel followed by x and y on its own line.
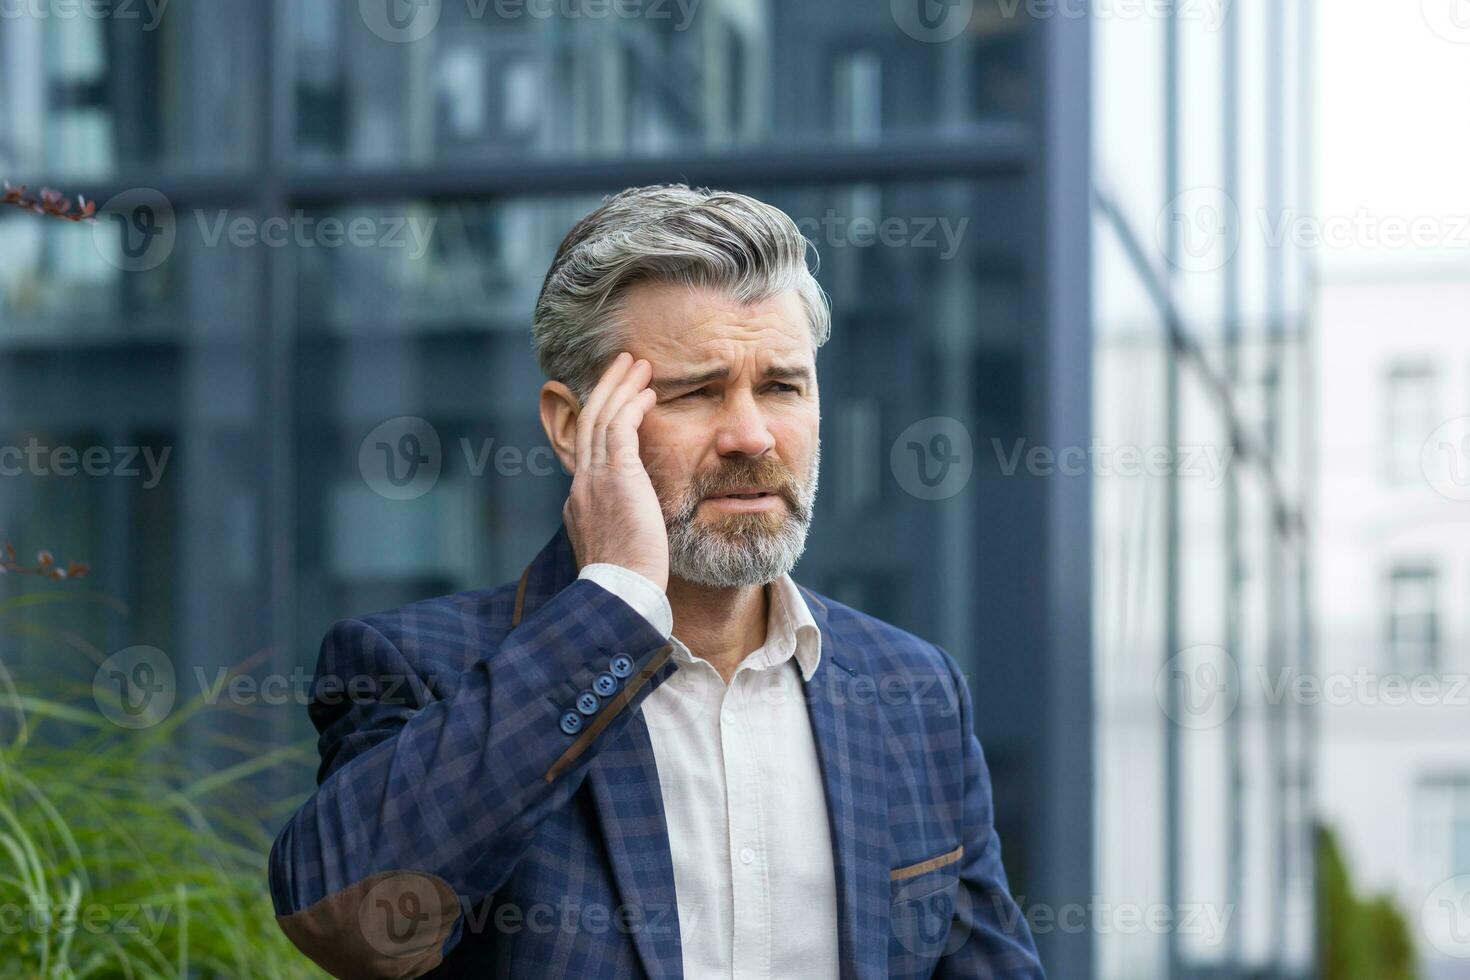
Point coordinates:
pixel 514 80
pixel 1202 345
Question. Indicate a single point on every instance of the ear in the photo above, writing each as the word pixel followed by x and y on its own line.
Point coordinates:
pixel 559 412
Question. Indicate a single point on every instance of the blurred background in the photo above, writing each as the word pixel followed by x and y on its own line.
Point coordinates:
pixel 1148 397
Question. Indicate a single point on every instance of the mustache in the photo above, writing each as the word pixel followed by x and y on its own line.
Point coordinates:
pixel 776 481
pixel 684 511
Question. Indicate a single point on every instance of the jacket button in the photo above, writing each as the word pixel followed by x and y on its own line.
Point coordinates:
pixel 605 684
pixel 621 666
pixel 587 703
pixel 571 723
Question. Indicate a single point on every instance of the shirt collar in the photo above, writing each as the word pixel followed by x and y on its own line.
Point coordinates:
pixel 793 626
pixel 790 631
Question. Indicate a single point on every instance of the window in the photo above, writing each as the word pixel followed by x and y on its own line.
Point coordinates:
pixel 1413 619
pixel 1411 414
pixel 1442 826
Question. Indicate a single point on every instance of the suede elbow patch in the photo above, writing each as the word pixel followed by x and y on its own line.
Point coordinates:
pixel 389 924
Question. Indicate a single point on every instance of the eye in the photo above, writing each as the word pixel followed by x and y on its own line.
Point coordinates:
pixel 792 389
pixel 696 391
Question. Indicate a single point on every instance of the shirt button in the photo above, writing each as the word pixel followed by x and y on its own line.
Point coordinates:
pixel 746 855
pixel 605 684
pixel 571 723
pixel 587 703
pixel 621 665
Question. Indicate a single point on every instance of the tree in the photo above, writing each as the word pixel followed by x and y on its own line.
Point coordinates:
pixel 1357 939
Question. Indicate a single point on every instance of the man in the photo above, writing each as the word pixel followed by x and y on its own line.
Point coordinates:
pixel 542 779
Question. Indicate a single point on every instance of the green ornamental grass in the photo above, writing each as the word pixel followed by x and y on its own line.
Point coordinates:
pixel 114 860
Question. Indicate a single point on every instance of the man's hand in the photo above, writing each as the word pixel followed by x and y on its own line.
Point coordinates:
pixel 613 514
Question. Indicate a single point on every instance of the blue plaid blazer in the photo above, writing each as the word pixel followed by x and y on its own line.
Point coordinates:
pixel 487 803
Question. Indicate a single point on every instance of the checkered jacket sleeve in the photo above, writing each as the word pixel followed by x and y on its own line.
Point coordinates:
pixel 432 787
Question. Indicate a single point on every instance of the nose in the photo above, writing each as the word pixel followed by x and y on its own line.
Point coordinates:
pixel 742 429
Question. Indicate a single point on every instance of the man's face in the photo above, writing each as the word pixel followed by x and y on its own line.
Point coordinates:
pixel 737 408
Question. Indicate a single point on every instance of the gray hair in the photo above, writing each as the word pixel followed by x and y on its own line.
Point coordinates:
pixel 670 233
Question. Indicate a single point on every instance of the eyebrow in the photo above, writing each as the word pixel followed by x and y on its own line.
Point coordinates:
pixel 776 372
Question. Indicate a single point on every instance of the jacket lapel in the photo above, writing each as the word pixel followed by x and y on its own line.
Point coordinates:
pixel 623 780
pixel 847 727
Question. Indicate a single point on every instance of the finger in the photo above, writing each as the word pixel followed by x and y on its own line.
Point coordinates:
pixel 622 430
pixel 633 381
pixel 588 415
pixel 599 394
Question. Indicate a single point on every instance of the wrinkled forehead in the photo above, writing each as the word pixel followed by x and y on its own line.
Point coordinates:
pixel 677 328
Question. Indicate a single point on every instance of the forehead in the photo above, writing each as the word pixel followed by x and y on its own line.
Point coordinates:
pixel 671 325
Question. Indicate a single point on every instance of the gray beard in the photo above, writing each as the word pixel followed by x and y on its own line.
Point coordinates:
pixel 744 549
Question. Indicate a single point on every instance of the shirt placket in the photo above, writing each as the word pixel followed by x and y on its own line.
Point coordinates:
pixel 751 897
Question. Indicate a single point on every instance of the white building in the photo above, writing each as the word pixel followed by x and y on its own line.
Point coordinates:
pixel 1393 568
pixel 1392 521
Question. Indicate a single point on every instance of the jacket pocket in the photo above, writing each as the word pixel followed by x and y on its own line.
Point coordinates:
pixel 923 901
pixel 927 865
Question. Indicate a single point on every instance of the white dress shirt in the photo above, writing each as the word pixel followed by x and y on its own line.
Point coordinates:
pixel 743 795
